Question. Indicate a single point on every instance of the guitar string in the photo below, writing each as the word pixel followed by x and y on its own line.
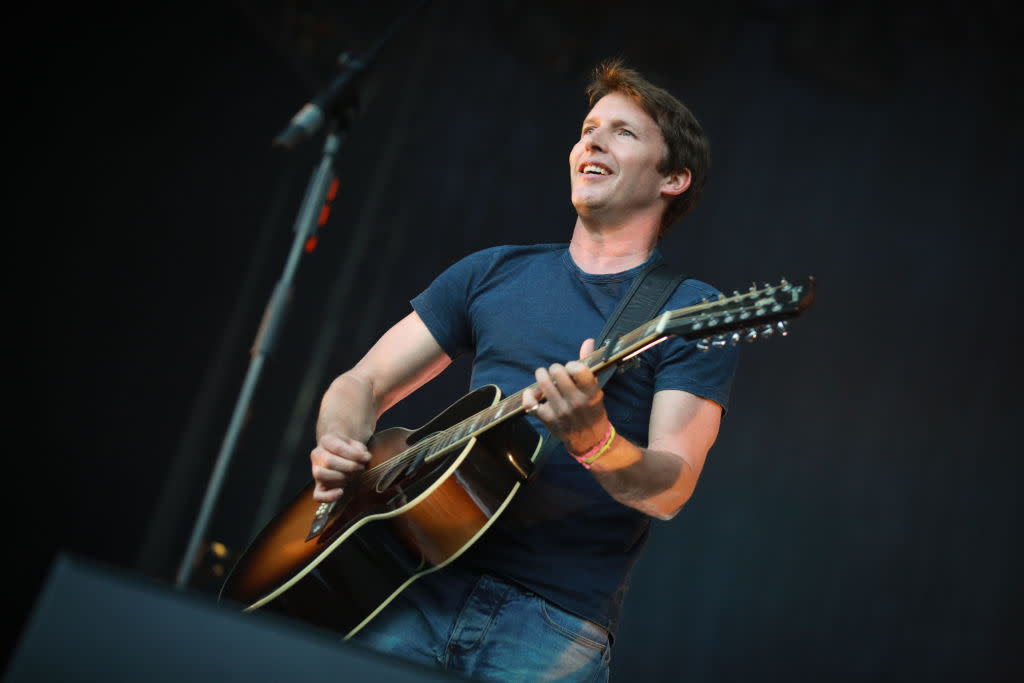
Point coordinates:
pixel 378 472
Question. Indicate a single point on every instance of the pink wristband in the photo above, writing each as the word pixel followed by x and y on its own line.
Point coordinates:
pixel 597 451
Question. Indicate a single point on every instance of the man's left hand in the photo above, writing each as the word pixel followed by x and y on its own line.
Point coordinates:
pixel 570 403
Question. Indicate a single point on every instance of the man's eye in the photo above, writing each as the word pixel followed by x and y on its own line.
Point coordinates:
pixel 624 131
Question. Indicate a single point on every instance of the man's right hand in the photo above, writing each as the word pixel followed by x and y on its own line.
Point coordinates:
pixel 334 460
pixel 403 359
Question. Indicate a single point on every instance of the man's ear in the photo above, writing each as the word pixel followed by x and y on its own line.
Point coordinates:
pixel 677 182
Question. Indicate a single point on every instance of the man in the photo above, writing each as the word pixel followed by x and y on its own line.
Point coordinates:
pixel 539 595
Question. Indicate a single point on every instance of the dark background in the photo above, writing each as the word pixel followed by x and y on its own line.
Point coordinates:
pixel 858 518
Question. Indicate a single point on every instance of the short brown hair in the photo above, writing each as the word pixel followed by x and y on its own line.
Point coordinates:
pixel 686 145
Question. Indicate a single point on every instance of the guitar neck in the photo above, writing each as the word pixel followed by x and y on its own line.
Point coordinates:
pixel 708 321
pixel 636 342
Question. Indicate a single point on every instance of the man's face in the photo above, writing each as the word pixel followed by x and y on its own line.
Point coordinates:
pixel 613 167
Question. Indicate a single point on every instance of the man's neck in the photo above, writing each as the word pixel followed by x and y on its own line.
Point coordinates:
pixel 611 249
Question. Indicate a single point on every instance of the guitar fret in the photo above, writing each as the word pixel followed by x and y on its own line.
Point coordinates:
pixel 635 339
pixel 438 441
pixel 707 315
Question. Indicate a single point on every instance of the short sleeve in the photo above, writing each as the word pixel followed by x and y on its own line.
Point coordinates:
pixel 681 365
pixel 685 367
pixel 444 304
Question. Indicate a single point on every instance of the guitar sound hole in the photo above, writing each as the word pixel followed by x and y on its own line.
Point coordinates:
pixel 406 474
pixel 392 475
pixel 414 466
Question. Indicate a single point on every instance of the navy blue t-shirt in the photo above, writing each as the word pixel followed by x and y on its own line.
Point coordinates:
pixel 517 308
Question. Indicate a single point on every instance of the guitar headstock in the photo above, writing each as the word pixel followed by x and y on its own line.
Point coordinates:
pixel 759 312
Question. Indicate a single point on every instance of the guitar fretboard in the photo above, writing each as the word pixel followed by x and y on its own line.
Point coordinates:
pixel 770 303
pixel 460 433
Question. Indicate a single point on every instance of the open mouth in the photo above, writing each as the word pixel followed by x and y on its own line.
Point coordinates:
pixel 594 168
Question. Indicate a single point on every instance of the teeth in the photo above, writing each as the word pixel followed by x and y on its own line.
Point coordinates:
pixel 594 168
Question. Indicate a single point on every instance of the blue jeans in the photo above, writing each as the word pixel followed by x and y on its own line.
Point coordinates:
pixel 488 629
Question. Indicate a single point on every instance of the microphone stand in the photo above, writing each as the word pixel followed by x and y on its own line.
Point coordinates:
pixel 266 340
pixel 337 104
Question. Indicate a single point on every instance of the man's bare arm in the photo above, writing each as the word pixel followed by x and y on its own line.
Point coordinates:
pixel 660 478
pixel 656 480
pixel 405 358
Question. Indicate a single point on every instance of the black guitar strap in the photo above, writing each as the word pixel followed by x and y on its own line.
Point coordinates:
pixel 648 293
pixel 651 288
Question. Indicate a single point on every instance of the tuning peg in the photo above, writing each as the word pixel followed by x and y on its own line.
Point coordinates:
pixel 734 338
pixel 718 342
pixel 750 336
pixel 783 327
pixel 766 331
pixel 704 344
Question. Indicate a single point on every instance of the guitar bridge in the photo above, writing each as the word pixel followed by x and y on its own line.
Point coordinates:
pixel 323 513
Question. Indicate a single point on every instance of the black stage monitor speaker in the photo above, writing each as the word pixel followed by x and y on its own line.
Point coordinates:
pixel 94 623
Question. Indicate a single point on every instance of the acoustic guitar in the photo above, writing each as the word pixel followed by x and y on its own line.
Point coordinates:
pixel 428 494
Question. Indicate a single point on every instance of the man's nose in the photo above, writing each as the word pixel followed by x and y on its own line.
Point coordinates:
pixel 596 140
